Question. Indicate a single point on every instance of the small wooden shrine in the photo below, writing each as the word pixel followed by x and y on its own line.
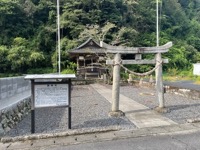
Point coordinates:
pixel 89 57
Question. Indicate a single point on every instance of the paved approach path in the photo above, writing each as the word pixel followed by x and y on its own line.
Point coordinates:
pixel 139 114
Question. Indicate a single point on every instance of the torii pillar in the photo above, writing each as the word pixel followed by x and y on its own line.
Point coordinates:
pixel 159 81
pixel 116 87
pixel 159 85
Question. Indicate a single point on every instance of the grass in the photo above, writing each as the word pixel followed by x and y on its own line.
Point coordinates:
pixel 176 78
pixel 197 80
pixel 175 75
pixel 68 71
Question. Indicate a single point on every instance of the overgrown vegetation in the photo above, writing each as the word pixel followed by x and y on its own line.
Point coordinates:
pixel 177 75
pixel 28 30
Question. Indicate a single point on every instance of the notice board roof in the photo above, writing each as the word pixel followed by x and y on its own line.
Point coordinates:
pixel 50 76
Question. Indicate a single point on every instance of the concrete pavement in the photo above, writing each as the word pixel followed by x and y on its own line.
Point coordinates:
pixel 183 84
pixel 137 113
pixel 63 141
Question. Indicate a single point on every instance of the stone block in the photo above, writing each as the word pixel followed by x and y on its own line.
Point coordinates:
pixel 12 86
pixel 15 84
pixel 19 85
pixel 118 113
pixel 9 87
pixel 3 88
pixel 27 84
pixel 1 130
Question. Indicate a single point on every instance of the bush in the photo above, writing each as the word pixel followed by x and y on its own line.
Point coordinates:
pixel 4 75
pixel 68 71
pixel 40 71
pixel 172 71
pixel 124 76
pixel 186 73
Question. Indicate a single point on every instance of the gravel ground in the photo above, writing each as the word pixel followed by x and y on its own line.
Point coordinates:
pixel 89 110
pixel 181 108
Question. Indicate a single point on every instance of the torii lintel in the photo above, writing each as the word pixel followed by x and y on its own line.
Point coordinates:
pixel 137 50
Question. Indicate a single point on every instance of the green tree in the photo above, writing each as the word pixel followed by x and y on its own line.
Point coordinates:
pixel 4 63
pixel 21 57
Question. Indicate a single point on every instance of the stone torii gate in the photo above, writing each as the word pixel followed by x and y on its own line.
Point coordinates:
pixel 138 51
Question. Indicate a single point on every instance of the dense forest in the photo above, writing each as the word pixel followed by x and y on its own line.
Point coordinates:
pixel 29 31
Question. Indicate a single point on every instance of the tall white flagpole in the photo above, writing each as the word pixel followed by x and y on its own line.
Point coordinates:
pixel 157 24
pixel 58 26
pixel 159 79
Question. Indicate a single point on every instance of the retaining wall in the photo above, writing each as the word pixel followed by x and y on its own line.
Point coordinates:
pixel 12 92
pixel 12 86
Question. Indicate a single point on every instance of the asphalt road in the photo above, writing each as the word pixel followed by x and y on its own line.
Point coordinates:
pixel 183 84
pixel 164 142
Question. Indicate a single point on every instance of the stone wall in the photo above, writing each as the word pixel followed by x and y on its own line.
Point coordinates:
pixel 12 86
pixel 9 117
pixel 12 90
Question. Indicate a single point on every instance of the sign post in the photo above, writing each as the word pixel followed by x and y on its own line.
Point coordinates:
pixel 50 91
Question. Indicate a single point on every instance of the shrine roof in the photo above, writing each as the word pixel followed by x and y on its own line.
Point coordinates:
pixel 90 46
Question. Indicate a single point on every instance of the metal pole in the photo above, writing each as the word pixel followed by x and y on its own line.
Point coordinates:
pixel 58 24
pixel 69 108
pixel 157 24
pixel 69 117
pixel 32 107
pixel 32 121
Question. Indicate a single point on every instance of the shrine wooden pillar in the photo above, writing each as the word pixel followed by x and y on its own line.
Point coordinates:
pixel 77 63
pixel 77 66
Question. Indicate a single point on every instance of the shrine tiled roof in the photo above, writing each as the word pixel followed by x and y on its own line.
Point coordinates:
pixel 90 46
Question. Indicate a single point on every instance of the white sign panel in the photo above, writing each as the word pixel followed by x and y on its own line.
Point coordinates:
pixel 47 95
pixel 196 70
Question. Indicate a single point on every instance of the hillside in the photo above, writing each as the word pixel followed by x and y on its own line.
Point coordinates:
pixel 28 29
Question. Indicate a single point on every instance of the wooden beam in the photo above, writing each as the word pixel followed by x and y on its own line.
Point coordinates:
pixel 137 50
pixel 144 61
